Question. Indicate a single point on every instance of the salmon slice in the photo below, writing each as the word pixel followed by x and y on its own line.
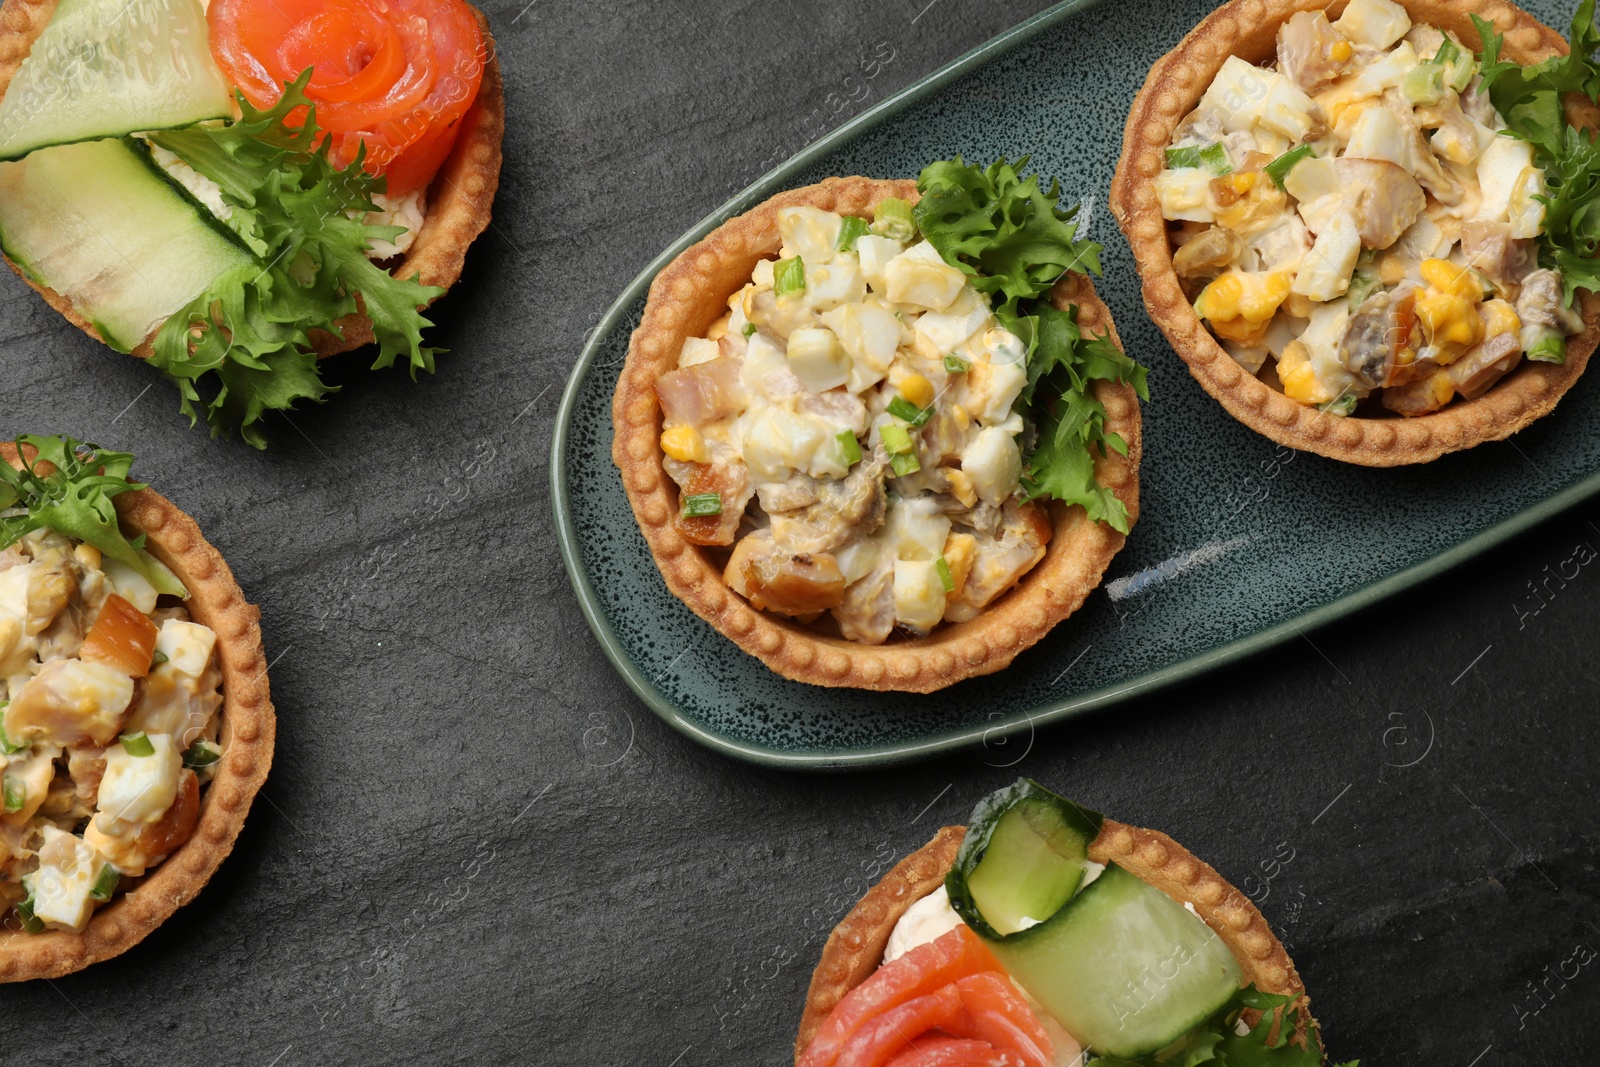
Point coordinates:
pixel 954 1052
pixel 892 1032
pixel 918 973
pixel 999 1016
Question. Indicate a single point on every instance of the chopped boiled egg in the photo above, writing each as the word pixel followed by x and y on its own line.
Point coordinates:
pixel 832 284
pixel 919 596
pixel 817 358
pixel 1325 272
pixel 1524 210
pixel 1313 178
pixel 915 529
pixel 948 330
pixel 1239 93
pixel 1376 23
pixel 60 889
pixel 809 233
pixel 920 276
pixel 1379 135
pixel 994 464
pixel 858 559
pixel 874 253
pixel 1500 171
pixel 870 335
pixel 695 350
pixel 139 789
pixel 1184 194
pixel 1287 111
pixel 1385 72
pixel 991 389
pixel 129 584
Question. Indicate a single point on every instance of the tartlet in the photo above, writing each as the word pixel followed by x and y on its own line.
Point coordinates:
pixel 1248 29
pixel 856 946
pixel 689 295
pixel 248 728
pixel 459 198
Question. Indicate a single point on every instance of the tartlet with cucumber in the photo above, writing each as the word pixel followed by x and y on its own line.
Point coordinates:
pixel 136 723
pixel 1367 226
pixel 1046 935
pixel 881 434
pixel 234 191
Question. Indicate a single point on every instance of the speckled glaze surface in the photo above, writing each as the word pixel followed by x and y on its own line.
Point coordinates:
pixel 1242 542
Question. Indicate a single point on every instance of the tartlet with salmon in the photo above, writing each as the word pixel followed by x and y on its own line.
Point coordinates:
pixel 1046 935
pixel 234 191
pixel 136 724
pixel 880 433
pixel 1360 224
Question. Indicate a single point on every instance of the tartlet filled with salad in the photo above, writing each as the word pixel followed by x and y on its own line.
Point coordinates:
pixel 232 191
pixel 880 433
pixel 136 723
pixel 1366 226
pixel 1046 935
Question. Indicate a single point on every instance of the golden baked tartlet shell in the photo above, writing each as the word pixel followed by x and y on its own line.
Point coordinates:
pixel 855 948
pixel 248 729
pixel 1248 29
pixel 685 299
pixel 458 203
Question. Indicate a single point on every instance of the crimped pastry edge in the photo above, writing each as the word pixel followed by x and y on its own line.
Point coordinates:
pixel 458 203
pixel 690 294
pixel 248 730
pixel 855 947
pixel 1248 28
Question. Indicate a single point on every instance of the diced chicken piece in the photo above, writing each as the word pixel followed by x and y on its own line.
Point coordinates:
pixel 1422 163
pixel 1310 51
pixel 1283 248
pixel 70 702
pixel 728 478
pixel 792 583
pixel 866 612
pixel 1491 251
pixel 1541 304
pixel 702 393
pixel 1383 199
pixel 798 492
pixel 1207 254
pixel 1455 137
pixel 86 764
pixel 1421 396
pixel 998 564
pixel 844 509
pixel 1484 365
pixel 779 316
pixel 1200 127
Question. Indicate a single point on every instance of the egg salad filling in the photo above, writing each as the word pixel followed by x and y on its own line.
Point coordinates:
pixel 109 692
pixel 1356 220
pixel 849 429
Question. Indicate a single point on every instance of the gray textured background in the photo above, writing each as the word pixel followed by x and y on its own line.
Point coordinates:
pixel 477 847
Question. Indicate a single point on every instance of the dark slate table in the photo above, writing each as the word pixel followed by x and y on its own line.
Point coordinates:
pixel 477 847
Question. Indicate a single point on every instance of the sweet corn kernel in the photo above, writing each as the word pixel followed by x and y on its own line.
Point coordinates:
pixel 960 551
pixel 1498 317
pixel 962 420
pixel 1220 299
pixel 1242 330
pixel 961 487
pixel 685 444
pixel 719 329
pixel 1300 384
pixel 1252 297
pixel 1446 277
pixel 1442 388
pixel 1391 269
pixel 1243 181
pixel 917 389
pixel 1450 320
pixel 1341 52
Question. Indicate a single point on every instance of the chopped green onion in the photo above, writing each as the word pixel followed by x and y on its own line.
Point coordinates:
pixel 31 924
pixel 16 794
pixel 749 329
pixel 1550 348
pixel 896 438
pixel 1459 66
pixel 1424 84
pixel 1279 168
pixel 158 657
pixel 105 883
pixel 698 505
pixel 954 364
pixel 1345 404
pixel 848 447
pixel 8 746
pixel 1447 52
pixel 789 276
pixel 851 229
pixel 1213 157
pixel 892 219
pixel 904 463
pixel 137 744
pixel 901 408
pixel 945 579
pixel 1362 285
pixel 200 755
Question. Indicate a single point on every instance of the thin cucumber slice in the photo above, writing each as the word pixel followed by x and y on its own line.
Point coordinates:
pixel 104 68
pixel 96 223
pixel 1124 967
pixel 1024 857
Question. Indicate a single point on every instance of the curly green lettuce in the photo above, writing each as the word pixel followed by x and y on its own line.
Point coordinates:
pixel 75 498
pixel 1218 1041
pixel 303 218
pixel 1015 241
pixel 1530 100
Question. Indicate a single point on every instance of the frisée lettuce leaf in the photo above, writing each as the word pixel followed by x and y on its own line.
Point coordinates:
pixel 1015 242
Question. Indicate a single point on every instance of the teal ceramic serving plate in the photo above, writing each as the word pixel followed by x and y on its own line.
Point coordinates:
pixel 1241 544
